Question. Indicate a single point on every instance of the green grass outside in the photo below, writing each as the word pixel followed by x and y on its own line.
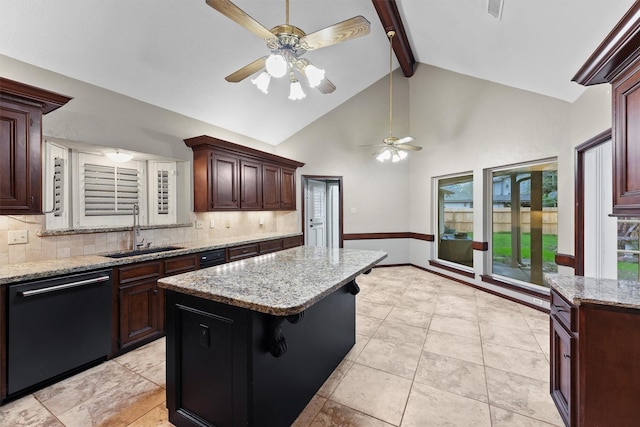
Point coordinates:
pixel 502 246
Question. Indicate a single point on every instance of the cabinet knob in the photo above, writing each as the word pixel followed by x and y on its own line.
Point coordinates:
pixel 155 292
pixel 566 356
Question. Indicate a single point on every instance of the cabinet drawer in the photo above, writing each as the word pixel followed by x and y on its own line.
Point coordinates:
pixel 137 272
pixel 240 252
pixel 270 246
pixel 180 264
pixel 564 311
pixel 291 242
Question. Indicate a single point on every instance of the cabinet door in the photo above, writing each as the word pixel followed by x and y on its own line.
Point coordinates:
pixel 562 369
pixel 20 162
pixel 270 187
pixel 250 185
pixel 224 185
pixel 626 163
pixel 139 312
pixel 288 189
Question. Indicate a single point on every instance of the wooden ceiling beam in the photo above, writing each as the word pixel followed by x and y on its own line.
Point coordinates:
pixel 390 18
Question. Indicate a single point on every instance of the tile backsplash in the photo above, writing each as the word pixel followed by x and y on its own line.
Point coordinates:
pixel 225 225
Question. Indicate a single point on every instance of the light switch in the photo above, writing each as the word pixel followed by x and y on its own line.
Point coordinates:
pixel 199 224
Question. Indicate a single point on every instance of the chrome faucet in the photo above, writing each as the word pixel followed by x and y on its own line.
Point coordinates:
pixel 135 243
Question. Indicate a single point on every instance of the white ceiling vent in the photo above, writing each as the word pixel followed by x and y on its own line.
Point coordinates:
pixel 494 7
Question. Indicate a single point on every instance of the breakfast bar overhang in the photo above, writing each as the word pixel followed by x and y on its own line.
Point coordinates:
pixel 250 342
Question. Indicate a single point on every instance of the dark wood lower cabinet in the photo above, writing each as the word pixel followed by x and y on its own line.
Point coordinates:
pixel 595 373
pixel 139 312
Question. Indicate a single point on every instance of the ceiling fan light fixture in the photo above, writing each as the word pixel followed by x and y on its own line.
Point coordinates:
pixel 262 81
pixel 295 91
pixel 314 75
pixel 385 155
pixel 276 65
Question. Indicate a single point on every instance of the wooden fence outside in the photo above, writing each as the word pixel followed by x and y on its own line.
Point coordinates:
pixel 461 220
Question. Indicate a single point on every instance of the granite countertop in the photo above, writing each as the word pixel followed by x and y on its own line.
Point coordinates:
pixel 282 283
pixel 580 289
pixel 43 269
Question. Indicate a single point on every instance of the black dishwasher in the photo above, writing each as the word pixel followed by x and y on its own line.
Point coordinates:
pixel 212 257
pixel 56 326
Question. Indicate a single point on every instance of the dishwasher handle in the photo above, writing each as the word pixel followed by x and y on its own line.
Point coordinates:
pixel 40 291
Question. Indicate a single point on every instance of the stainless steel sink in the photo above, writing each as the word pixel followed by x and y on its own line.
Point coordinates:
pixel 143 251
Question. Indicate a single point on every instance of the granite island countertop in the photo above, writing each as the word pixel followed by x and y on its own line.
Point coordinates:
pixel 579 289
pixel 282 283
pixel 14 273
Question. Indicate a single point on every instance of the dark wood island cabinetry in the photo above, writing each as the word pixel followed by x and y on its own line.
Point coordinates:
pixel 595 349
pixel 251 344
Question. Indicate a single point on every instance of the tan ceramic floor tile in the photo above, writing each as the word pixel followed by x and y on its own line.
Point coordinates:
pixel 371 309
pixel 27 412
pixel 157 417
pixel 452 375
pixel 366 325
pixel 144 358
pixel 411 317
pixel 429 406
pixel 334 414
pixel 397 359
pixel 455 326
pixel 502 418
pixel 523 395
pixel 361 342
pixel 334 379
pixel 538 325
pixel 373 392
pixel 309 412
pixel 508 337
pixel 463 348
pixel 507 318
pixel 461 310
pixel 522 362
pixel 544 342
pixel 400 333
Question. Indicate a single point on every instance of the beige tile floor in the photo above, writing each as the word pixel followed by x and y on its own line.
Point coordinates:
pixel 429 352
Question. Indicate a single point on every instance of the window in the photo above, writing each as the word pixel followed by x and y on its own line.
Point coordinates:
pixel 108 191
pixel 455 219
pixel 162 192
pixel 85 189
pixel 524 221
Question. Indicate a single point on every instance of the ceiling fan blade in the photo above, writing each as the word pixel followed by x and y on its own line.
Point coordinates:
pixel 237 15
pixel 379 151
pixel 404 140
pixel 346 30
pixel 326 86
pixel 246 71
pixel 408 147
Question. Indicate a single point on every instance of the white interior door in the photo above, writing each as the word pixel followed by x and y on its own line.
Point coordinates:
pixel 316 213
pixel 600 230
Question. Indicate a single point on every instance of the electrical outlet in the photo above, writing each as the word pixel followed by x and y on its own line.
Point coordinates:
pixel 212 224
pixel 19 237
pixel 261 221
pixel 199 224
pixel 354 210
pixel 227 224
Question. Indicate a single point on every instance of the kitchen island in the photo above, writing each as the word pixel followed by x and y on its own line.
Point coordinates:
pixel 250 342
pixel 595 349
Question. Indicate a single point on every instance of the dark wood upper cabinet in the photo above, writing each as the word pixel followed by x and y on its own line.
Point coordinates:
pixel 617 61
pixel 228 176
pixel 251 184
pixel 21 110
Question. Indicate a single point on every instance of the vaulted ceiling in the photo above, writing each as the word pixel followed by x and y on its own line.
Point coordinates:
pixel 176 53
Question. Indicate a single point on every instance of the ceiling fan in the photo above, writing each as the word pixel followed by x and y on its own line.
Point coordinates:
pixel 393 148
pixel 287 44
